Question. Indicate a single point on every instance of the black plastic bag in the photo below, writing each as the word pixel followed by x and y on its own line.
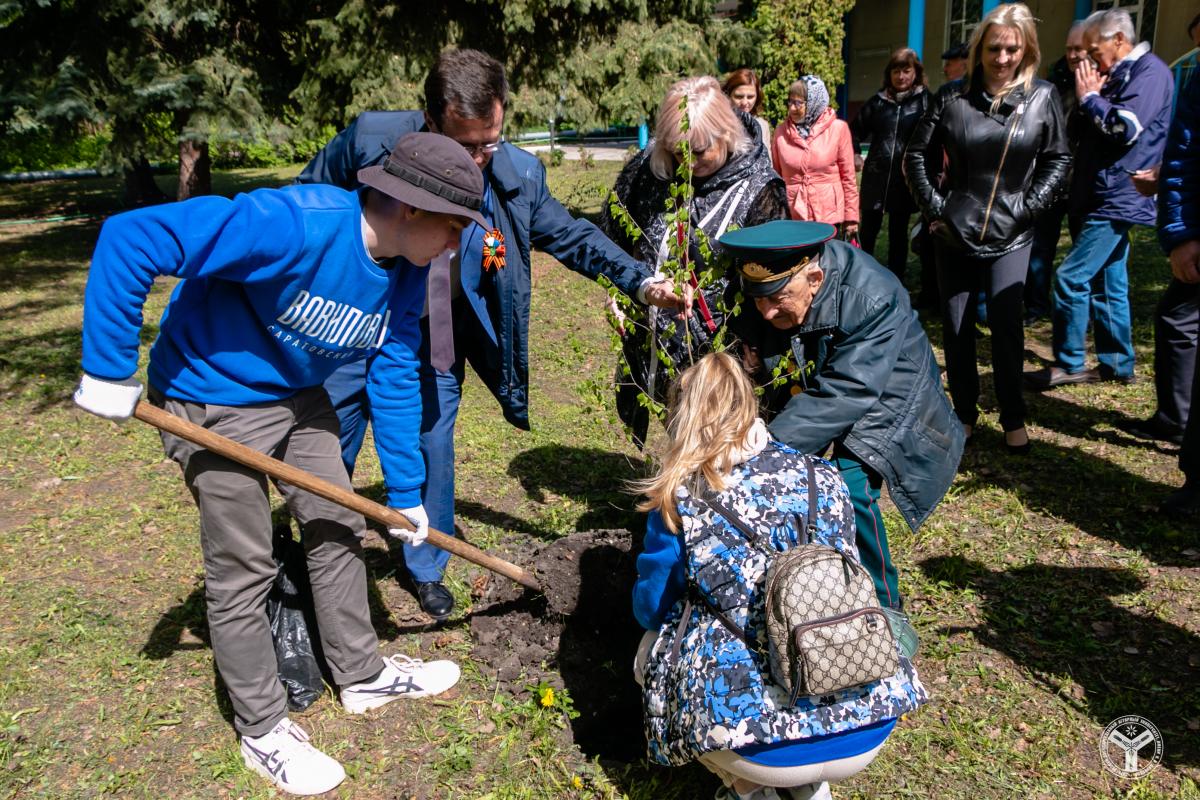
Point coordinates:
pixel 293 623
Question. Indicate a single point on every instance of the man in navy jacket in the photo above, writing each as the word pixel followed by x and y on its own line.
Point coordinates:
pixel 1125 103
pixel 1179 235
pixel 489 280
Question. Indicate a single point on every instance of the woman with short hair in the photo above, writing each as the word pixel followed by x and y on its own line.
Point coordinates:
pixel 887 120
pixel 1001 129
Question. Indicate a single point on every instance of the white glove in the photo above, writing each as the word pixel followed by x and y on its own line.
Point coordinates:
pixel 417 516
pixel 113 400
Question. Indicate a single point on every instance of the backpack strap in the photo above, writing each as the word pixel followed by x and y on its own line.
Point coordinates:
pixel 805 530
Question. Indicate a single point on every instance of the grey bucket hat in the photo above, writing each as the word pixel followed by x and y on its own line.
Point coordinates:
pixel 431 172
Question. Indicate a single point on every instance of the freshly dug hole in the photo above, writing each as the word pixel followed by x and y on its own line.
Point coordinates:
pixel 579 634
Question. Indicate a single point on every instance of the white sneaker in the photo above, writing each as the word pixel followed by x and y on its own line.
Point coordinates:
pixel 401 677
pixel 285 757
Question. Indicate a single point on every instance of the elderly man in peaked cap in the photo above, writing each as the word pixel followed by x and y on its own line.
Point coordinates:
pixel 856 374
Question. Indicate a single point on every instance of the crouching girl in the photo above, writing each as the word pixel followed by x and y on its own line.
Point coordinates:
pixel 726 501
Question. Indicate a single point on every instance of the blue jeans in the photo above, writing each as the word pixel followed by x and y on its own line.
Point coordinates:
pixel 441 393
pixel 1092 281
pixel 1046 232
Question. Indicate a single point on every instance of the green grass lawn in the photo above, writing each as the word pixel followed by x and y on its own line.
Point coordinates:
pixel 1049 596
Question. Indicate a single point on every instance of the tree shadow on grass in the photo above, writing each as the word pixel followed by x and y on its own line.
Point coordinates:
pixel 50 254
pixel 1059 623
pixel 1086 491
pixel 1083 421
pixel 593 476
pixel 47 365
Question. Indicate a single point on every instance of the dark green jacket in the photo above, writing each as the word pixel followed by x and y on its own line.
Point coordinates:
pixel 864 376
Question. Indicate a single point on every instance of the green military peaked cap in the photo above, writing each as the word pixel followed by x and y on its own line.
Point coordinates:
pixel 768 255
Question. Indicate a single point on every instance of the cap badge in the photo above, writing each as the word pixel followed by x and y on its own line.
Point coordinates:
pixel 756 272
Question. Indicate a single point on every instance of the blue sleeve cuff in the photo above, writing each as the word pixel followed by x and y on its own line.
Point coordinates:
pixel 404 498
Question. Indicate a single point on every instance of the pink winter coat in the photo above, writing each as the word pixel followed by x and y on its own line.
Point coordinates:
pixel 818 171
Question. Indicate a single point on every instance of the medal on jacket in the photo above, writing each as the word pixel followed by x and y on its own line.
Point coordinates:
pixel 493 250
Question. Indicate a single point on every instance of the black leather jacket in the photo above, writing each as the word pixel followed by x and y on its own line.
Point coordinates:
pixel 1003 168
pixel 887 125
pixel 862 374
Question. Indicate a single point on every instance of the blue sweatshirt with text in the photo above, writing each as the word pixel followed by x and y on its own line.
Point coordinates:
pixel 278 291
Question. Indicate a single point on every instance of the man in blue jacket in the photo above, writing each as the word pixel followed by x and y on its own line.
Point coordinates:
pixel 1126 102
pixel 1177 315
pixel 280 287
pixel 1179 235
pixel 488 281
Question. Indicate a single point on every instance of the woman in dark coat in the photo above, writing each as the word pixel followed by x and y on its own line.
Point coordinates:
pixel 1006 157
pixel 887 120
pixel 733 184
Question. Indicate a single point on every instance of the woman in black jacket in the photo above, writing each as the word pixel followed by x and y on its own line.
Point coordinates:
pixel 1001 130
pixel 887 121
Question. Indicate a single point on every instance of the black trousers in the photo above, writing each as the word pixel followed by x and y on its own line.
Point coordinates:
pixel 868 232
pixel 1189 454
pixel 1002 279
pixel 1176 328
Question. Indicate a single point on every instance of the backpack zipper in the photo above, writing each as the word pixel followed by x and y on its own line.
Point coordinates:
pixel 798 680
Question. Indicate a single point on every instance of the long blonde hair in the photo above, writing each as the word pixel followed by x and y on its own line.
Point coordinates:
pixel 712 122
pixel 712 408
pixel 1018 17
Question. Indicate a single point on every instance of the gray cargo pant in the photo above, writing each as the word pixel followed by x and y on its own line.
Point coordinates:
pixel 235 535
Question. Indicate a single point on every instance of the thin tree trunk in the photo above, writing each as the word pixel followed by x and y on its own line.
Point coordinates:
pixel 140 186
pixel 195 169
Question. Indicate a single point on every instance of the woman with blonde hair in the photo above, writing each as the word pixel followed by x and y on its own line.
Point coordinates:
pixel 708 691
pixel 733 185
pixel 1001 129
pixel 813 152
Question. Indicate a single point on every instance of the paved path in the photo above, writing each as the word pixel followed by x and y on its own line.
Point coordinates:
pixel 601 151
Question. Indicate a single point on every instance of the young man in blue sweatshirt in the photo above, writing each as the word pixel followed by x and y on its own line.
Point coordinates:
pixel 279 288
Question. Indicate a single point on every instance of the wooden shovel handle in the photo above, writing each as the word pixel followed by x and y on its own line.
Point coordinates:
pixel 221 445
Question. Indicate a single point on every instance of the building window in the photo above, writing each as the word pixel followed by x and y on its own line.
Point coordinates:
pixel 1143 12
pixel 962 17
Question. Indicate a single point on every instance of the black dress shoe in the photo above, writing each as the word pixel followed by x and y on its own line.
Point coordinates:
pixel 1018 449
pixel 1152 429
pixel 435 599
pixel 1183 502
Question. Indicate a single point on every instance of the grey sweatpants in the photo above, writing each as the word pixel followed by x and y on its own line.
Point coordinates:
pixel 235 536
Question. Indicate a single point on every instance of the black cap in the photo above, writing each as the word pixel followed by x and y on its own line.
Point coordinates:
pixel 770 254
pixel 431 172
pixel 957 51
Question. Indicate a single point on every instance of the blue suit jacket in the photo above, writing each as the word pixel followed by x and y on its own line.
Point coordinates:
pixel 1179 179
pixel 524 211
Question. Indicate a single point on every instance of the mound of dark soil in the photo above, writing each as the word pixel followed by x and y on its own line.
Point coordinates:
pixel 581 628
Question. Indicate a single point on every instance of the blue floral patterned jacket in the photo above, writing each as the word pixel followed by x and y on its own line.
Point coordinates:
pixel 703 688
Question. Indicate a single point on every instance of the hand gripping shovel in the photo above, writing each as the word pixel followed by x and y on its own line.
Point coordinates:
pixel 166 421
